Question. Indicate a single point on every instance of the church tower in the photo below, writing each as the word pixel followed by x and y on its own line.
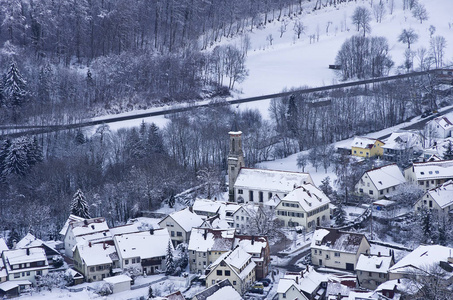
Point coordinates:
pixel 235 159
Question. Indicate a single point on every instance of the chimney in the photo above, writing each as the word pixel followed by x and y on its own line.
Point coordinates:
pixel 85 222
pixel 28 251
pixel 151 231
pixel 89 244
pixel 399 281
pixel 205 234
pixel 297 279
pixel 253 239
pixel 379 254
pixel 104 246
pixel 191 209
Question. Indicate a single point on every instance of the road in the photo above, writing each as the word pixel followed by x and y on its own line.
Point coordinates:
pixel 31 130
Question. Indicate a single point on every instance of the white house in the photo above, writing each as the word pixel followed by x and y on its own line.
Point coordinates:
pixel 247 216
pixel 94 230
pixel 337 249
pixel 95 261
pixel 372 270
pixel 25 264
pixel 439 128
pixel 236 266
pixel 144 250
pixel 422 260
pixel 402 144
pixel 258 247
pixel 305 285
pixel 439 199
pixel 305 206
pixel 428 175
pixel 206 246
pixel 206 207
pixel 378 182
pixel 258 186
pixel 179 224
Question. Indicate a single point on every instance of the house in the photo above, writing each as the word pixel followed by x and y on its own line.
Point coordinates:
pixel 439 199
pixel 439 128
pixel 305 206
pixel 71 219
pixel 206 246
pixel 144 251
pixel 258 186
pixel 120 283
pixel 206 207
pixel 77 277
pixel 378 182
pixel 222 290
pixel 95 260
pixel 30 240
pixel 401 145
pixel 179 224
pixel 258 247
pixel 88 230
pixel 428 175
pixel 228 211
pixel 394 289
pixel 307 284
pixel 216 222
pixel 338 249
pixel 173 296
pixel 25 264
pixel 421 260
pixel 236 266
pixel 367 147
pixel 247 216
pixel 372 270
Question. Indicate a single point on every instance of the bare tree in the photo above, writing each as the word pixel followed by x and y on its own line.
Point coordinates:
pixel 379 11
pixel 419 12
pixel 361 18
pixel 299 28
pixel 408 36
pixel 283 27
pixel 437 50
pixel 302 161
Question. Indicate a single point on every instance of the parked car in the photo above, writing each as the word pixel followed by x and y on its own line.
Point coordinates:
pixel 266 281
pixel 258 285
pixel 256 290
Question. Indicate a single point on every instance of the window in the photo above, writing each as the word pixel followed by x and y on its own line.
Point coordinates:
pixel 28 273
pixel 92 269
pixel 17 275
pixel 251 196
pixel 370 192
pixel 430 203
pixel 234 282
pixel 269 195
pixel 355 151
pixel 381 192
pixel 133 261
pixel 227 272
pixel 240 192
pixel 337 254
pixel 284 294
pixel 232 168
pixel 172 233
pixel 178 233
pixel 219 273
pixel 213 281
pixel 242 218
pixel 369 274
pixel 126 261
pixel 361 190
pixel 260 196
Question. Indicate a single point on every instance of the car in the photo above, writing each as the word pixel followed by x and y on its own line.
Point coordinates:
pixel 266 281
pixel 256 290
pixel 258 285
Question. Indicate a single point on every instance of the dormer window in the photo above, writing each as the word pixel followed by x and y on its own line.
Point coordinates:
pixel 318 243
pixel 422 173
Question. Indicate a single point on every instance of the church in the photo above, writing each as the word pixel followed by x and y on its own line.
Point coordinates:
pixel 249 185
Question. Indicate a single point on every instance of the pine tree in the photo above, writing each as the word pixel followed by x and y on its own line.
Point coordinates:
pixel 448 153
pixel 79 138
pixel 16 161
pixel 292 115
pixel 34 153
pixel 4 149
pixel 13 238
pixel 14 87
pixel 170 263
pixel 155 143
pixel 79 205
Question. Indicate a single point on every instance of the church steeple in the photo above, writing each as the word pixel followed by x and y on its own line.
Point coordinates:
pixel 235 159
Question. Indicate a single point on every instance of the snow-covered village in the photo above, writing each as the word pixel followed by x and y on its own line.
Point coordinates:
pixel 226 149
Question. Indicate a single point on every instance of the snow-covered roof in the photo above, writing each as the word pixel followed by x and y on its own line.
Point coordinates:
pixel 143 244
pixel 210 240
pixel 306 281
pixel 337 240
pixel 8 285
pixel 403 140
pixel 363 142
pixel 433 170
pixel 3 272
pixel 123 229
pixel 237 259
pixel 384 202
pixel 374 263
pixel 271 180
pixel 422 258
pixel 308 197
pixel 251 244
pixel 443 195
pixel 29 241
pixel 89 226
pixel 185 218
pixel 118 279
pixel 96 254
pixel 404 285
pixel 206 205
pixel 24 256
pixel 386 176
pixel 3 245
pixel 443 122
pixel 220 291
pixel 215 222
pixel 71 219
pixel 272 202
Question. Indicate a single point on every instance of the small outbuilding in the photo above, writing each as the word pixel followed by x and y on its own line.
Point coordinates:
pixel 9 289
pixel 120 283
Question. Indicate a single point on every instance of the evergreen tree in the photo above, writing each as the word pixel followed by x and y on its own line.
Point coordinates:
pixel 34 153
pixel 170 263
pixel 292 116
pixel 155 142
pixel 14 87
pixel 448 153
pixel 4 149
pixel 16 161
pixel 13 238
pixel 79 205
pixel 79 138
pixel 325 186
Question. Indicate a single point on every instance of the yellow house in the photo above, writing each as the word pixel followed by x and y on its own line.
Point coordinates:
pixel 367 147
